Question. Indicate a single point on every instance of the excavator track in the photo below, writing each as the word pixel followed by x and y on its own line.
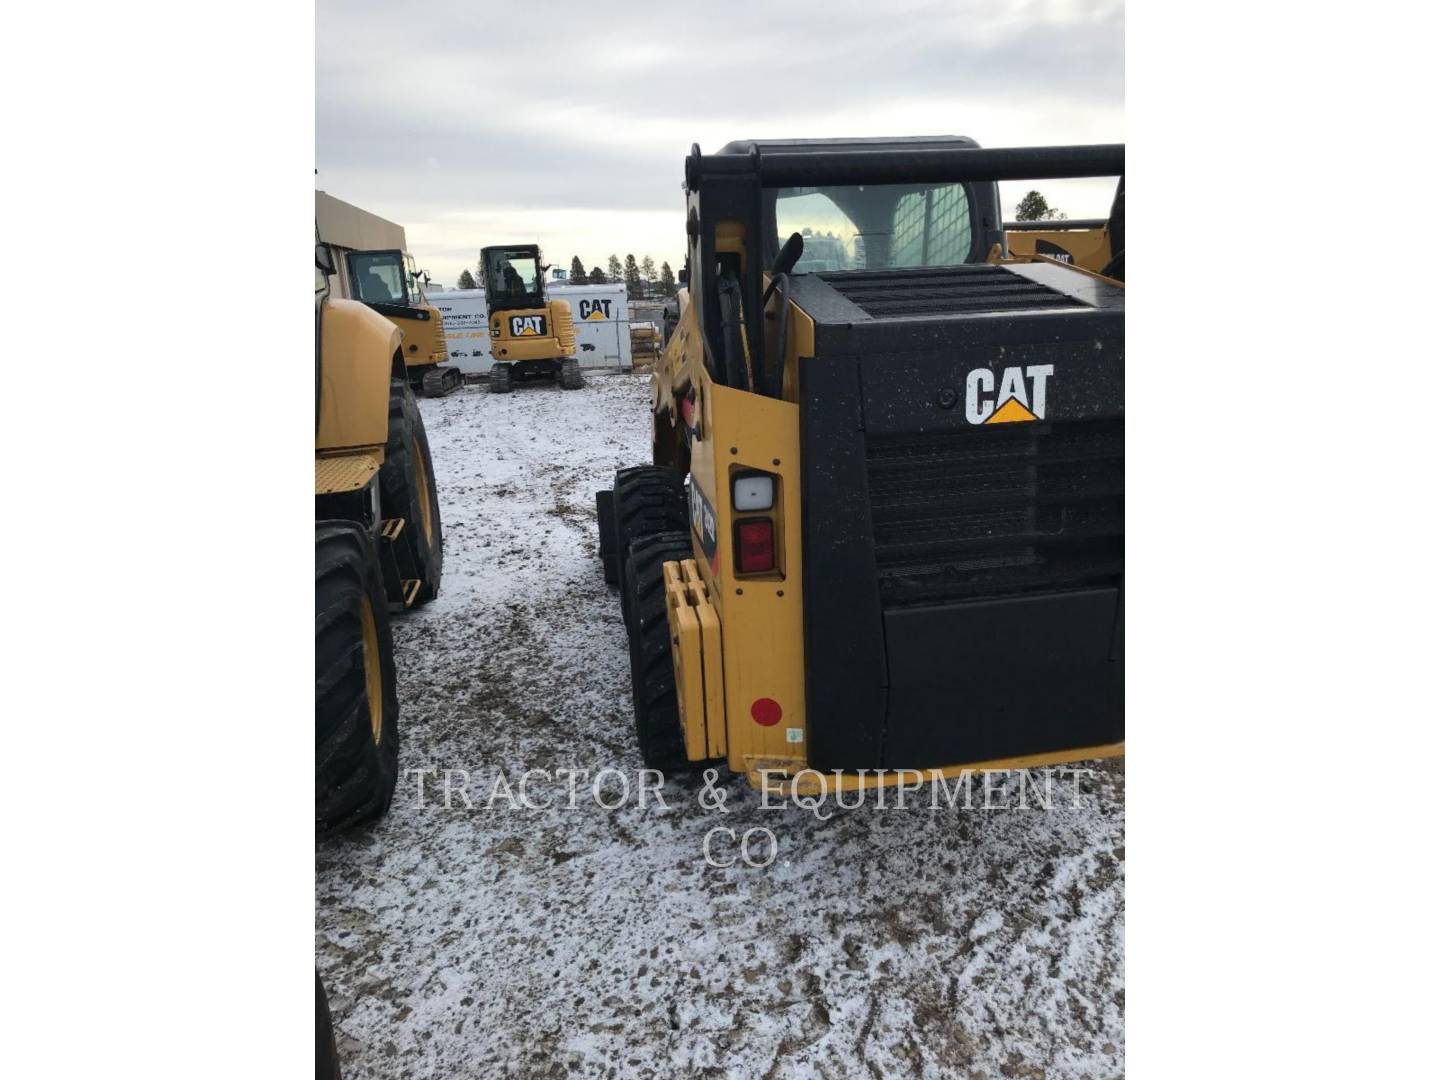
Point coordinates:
pixel 439 381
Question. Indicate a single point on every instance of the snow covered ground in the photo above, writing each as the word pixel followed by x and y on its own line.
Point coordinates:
pixel 505 941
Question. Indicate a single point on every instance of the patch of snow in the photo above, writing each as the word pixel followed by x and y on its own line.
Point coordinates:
pixel 546 942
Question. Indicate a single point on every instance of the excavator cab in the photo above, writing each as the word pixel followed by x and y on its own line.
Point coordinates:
pixel 388 282
pixel 513 277
pixel 382 277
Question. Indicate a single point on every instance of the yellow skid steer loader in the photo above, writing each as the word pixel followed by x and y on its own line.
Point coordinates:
pixel 881 531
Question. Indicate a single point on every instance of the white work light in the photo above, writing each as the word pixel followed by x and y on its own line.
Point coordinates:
pixel 754 491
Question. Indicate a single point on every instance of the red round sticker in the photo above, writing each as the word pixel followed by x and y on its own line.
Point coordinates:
pixel 765 711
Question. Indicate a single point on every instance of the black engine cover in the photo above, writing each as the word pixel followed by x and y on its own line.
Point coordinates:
pixel 963 442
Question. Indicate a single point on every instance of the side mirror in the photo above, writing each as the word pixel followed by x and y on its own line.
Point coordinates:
pixel 789 255
pixel 784 263
pixel 324 258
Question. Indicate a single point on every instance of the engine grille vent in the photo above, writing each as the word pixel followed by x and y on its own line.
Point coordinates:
pixel 997 512
pixel 954 290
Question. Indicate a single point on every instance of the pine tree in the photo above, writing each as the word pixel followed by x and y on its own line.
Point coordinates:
pixel 647 273
pixel 633 289
pixel 597 276
pixel 615 275
pixel 467 280
pixel 577 270
pixel 667 280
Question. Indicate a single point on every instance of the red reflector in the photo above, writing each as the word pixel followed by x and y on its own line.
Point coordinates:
pixel 754 546
pixel 765 711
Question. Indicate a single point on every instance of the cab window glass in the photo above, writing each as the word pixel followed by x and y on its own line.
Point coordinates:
pixel 876 226
pixel 512 276
pixel 931 227
pixel 379 279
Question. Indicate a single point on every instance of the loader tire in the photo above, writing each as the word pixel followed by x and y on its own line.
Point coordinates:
pixel 500 379
pixel 407 490
pixel 357 713
pixel 327 1060
pixel 605 526
pixel 652 670
pixel 648 499
pixel 570 377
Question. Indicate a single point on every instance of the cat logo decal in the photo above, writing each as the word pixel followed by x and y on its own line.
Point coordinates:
pixel 1019 399
pixel 527 325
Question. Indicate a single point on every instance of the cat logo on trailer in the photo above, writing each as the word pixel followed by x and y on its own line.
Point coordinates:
pixel 1020 398
pixel 595 310
pixel 527 326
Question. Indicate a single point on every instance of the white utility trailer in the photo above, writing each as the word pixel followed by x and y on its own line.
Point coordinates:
pixel 602 325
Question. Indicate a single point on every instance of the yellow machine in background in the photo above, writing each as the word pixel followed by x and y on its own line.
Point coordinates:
pixel 370 263
pixel 1096 245
pixel 530 336
pixel 881 536
pixel 377 548
pixel 389 283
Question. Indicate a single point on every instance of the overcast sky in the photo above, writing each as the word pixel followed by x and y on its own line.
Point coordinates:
pixel 567 124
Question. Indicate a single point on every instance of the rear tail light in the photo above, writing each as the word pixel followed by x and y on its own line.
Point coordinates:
pixel 754 546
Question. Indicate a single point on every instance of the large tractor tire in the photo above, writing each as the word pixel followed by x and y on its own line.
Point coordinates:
pixel 327 1060
pixel 407 490
pixel 570 377
pixel 605 522
pixel 652 668
pixel 648 499
pixel 357 713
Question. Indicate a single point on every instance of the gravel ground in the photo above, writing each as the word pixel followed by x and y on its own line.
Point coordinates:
pixel 500 940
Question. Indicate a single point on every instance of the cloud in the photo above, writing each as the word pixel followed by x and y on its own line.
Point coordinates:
pixel 569 122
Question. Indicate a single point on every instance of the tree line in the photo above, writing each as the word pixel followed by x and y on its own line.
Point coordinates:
pixel 642 280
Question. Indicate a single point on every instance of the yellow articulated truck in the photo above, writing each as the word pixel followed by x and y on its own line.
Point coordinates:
pixel 377 548
pixel 881 531
pixel 372 266
pixel 531 336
